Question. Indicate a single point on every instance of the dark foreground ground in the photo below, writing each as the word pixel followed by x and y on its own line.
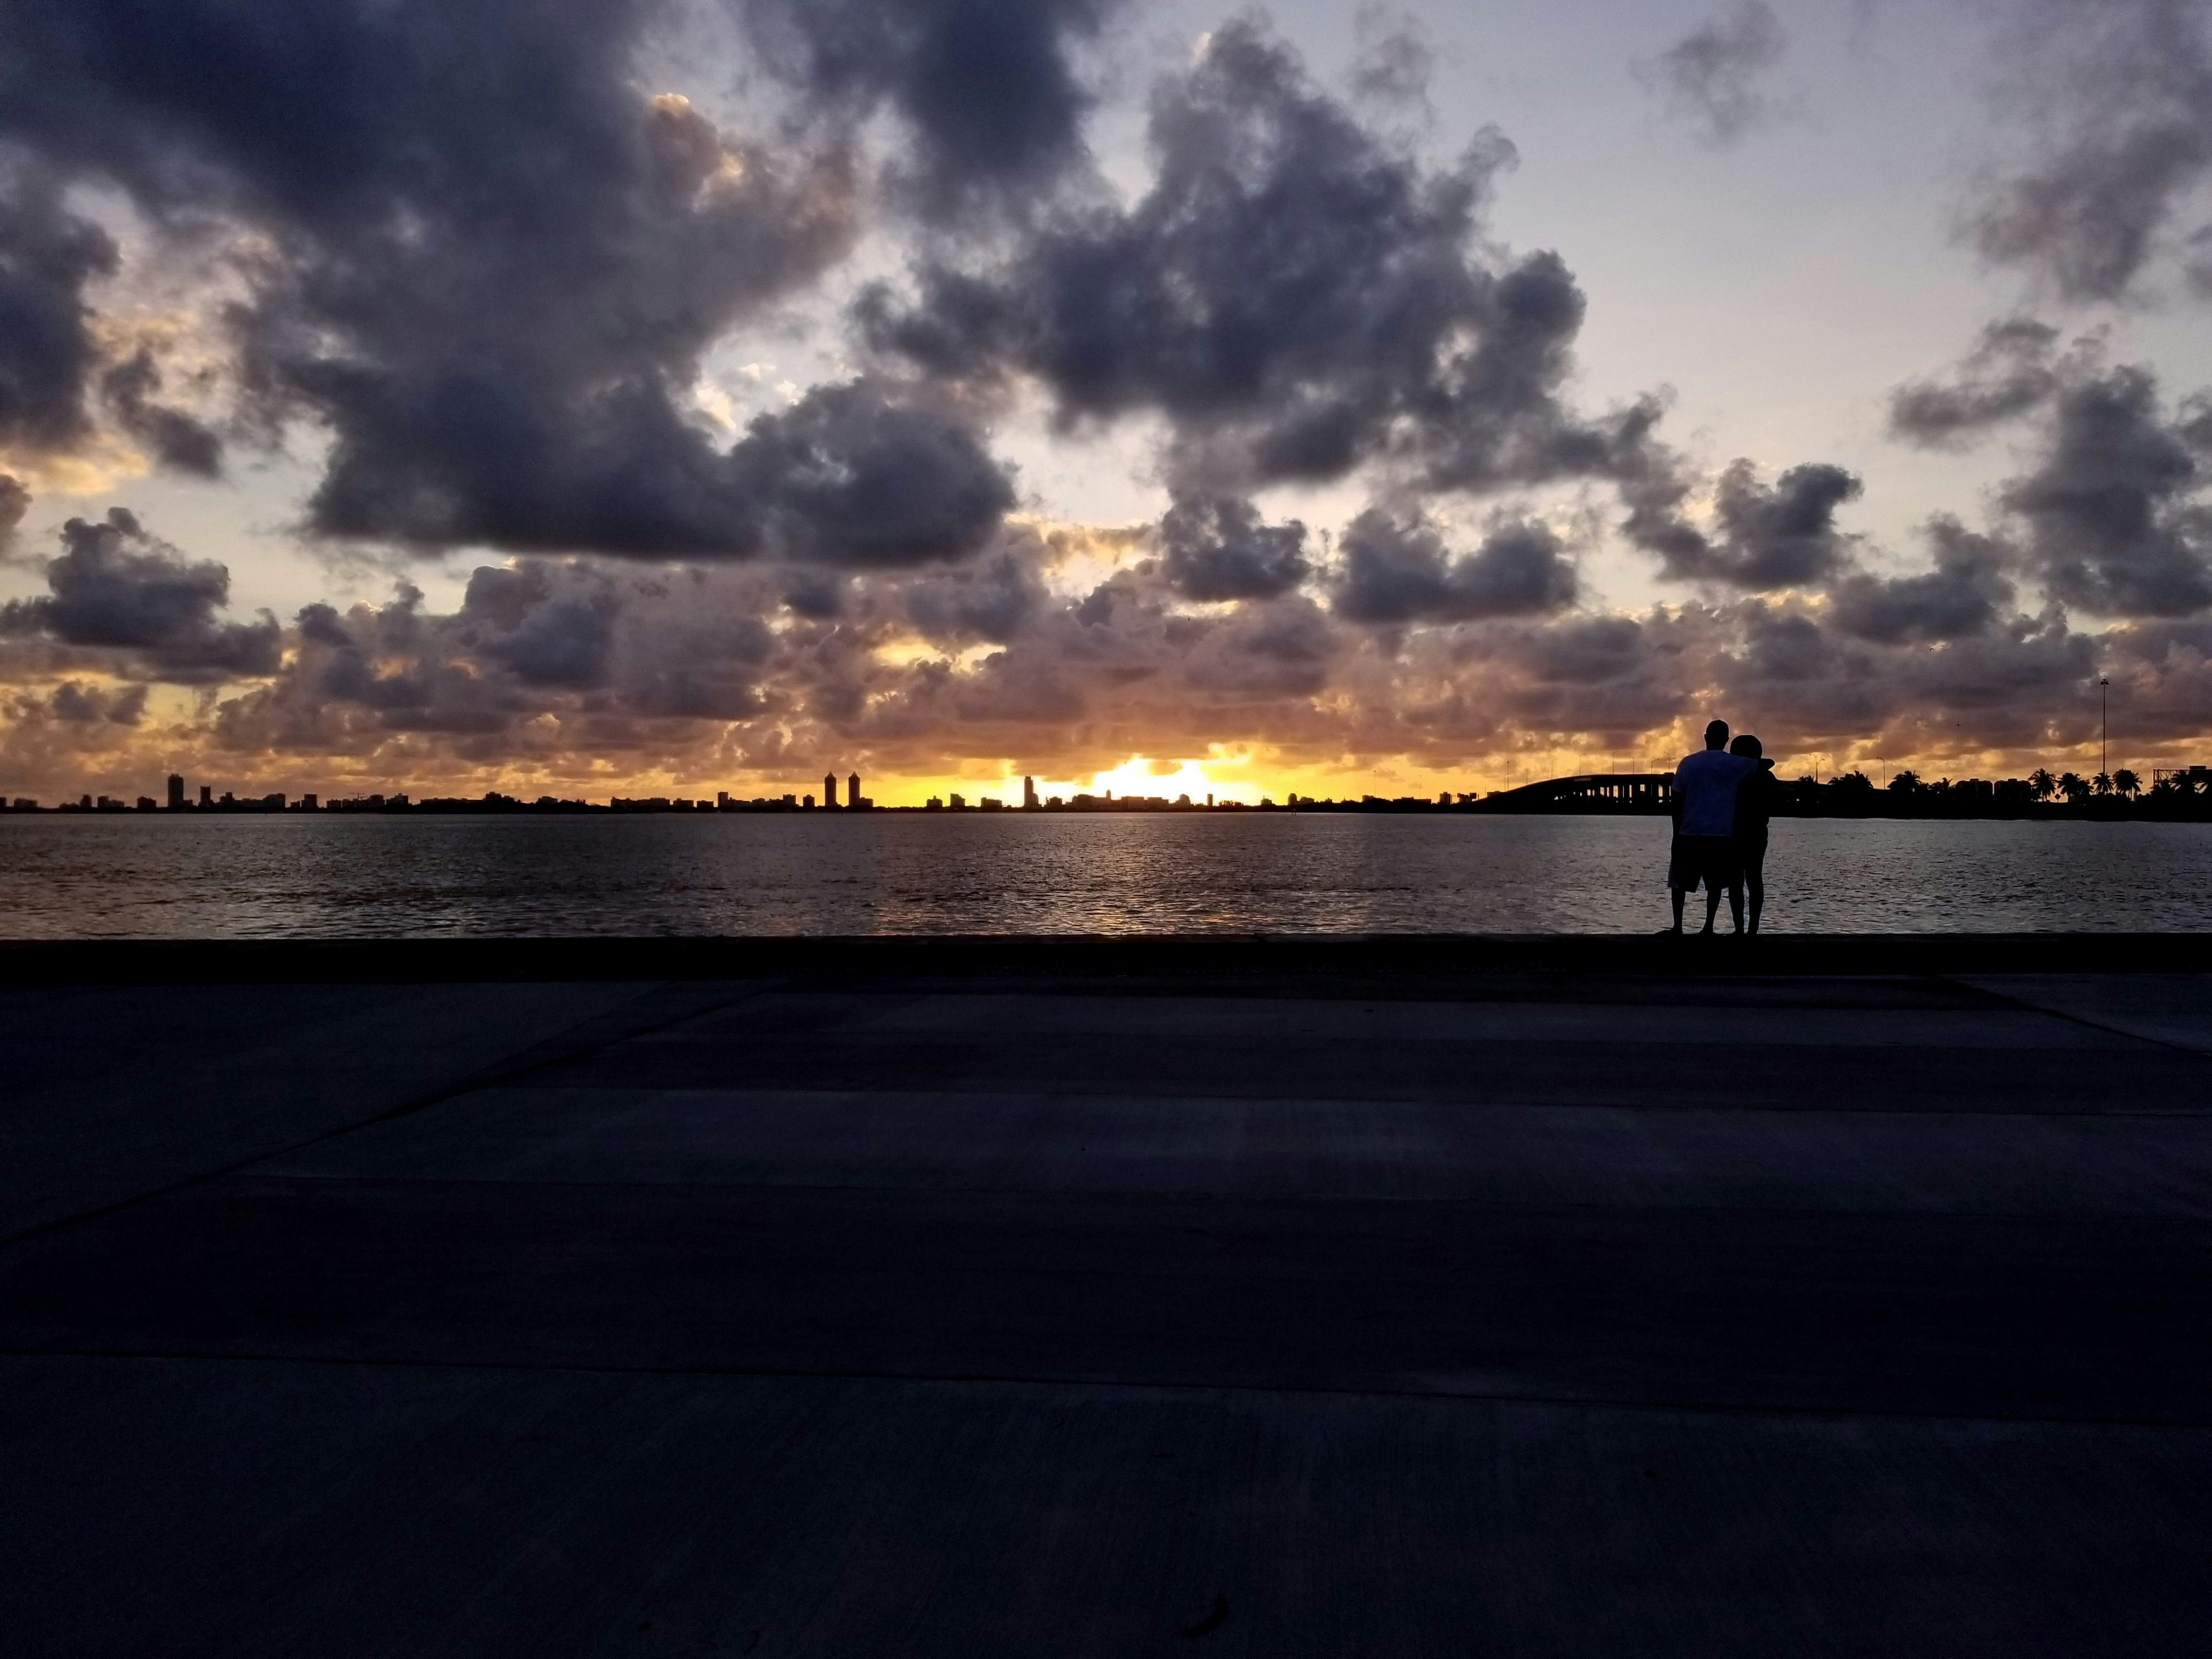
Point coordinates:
pixel 974 1299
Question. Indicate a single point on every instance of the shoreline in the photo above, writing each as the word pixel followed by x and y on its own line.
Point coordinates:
pixel 1300 959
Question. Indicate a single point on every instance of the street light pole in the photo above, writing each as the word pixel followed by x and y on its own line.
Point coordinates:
pixel 2103 723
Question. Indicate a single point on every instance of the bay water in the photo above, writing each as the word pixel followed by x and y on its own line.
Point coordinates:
pixel 299 875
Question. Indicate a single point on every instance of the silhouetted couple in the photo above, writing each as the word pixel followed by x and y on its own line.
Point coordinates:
pixel 1723 799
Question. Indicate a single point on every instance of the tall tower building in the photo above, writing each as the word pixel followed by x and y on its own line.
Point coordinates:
pixel 1029 794
pixel 853 790
pixel 829 789
pixel 176 792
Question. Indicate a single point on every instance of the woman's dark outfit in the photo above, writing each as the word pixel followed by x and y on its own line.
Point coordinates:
pixel 1754 806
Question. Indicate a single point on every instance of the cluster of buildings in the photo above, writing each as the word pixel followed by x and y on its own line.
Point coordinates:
pixel 179 800
pixel 2185 792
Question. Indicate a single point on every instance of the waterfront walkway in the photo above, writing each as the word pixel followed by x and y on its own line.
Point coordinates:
pixel 1021 1297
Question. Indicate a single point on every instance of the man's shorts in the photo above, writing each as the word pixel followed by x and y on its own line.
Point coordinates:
pixel 1710 859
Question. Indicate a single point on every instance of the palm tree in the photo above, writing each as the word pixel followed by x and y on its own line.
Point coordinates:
pixel 2074 787
pixel 2042 783
pixel 2102 784
pixel 2127 783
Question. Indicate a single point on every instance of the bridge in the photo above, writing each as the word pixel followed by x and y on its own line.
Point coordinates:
pixel 1590 792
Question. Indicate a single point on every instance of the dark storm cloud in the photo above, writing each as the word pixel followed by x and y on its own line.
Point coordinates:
pixel 14 502
pixel 985 86
pixel 1216 547
pixel 1582 651
pixel 1780 671
pixel 1397 569
pixel 2162 675
pixel 993 597
pixel 515 617
pixel 178 441
pixel 2111 508
pixel 491 269
pixel 47 256
pixel 1710 79
pixel 539 651
pixel 1764 537
pixel 1964 594
pixel 1295 293
pixel 75 701
pixel 116 587
pixel 2118 96
pixel 2010 371
pixel 850 475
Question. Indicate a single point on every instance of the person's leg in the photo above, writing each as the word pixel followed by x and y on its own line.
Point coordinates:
pixel 1676 894
pixel 1754 884
pixel 1735 902
pixel 1712 902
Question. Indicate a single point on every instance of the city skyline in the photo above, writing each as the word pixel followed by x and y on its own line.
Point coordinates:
pixel 634 398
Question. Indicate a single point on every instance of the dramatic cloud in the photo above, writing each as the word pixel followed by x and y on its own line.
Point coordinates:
pixel 485 271
pixel 1295 295
pixel 2118 98
pixel 82 705
pixel 1964 595
pixel 2111 507
pixel 993 597
pixel 47 256
pixel 1710 78
pixel 2162 675
pixel 14 502
pixel 490 267
pixel 1782 536
pixel 2015 685
pixel 985 86
pixel 116 587
pixel 1397 569
pixel 178 441
pixel 2010 371
pixel 1216 548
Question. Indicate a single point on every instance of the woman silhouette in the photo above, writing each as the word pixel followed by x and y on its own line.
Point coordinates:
pixel 1755 805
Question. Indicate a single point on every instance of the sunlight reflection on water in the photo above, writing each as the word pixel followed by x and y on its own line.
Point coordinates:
pixel 245 877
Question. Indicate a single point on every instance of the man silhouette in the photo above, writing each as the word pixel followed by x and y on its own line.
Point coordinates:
pixel 1704 810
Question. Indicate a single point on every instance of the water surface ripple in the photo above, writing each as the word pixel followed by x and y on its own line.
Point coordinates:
pixel 159 876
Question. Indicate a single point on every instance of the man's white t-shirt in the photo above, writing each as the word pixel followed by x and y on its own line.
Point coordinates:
pixel 1705 783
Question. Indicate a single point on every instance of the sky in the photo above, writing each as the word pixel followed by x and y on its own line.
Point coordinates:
pixel 661 397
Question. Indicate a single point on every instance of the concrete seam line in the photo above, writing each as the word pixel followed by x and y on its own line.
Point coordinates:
pixel 2072 1019
pixel 484 1076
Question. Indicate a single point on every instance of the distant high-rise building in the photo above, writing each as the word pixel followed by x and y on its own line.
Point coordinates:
pixel 1029 794
pixel 176 792
pixel 853 791
pixel 310 803
pixel 829 789
pixel 207 794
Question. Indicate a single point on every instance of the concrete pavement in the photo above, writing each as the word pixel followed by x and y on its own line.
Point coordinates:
pixel 1007 1298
